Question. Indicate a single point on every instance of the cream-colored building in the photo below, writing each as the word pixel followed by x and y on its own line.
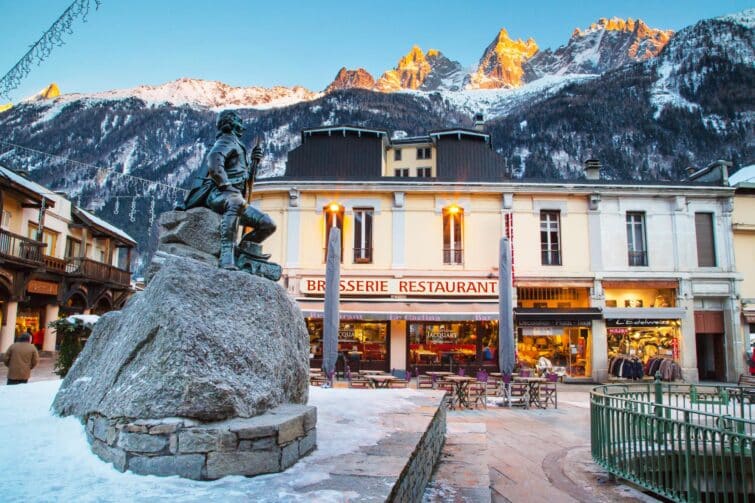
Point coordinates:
pixel 78 263
pixel 602 270
pixel 743 225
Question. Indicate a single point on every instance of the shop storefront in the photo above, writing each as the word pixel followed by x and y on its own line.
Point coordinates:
pixel 563 345
pixel 363 345
pixel 643 328
pixel 440 324
pixel 449 345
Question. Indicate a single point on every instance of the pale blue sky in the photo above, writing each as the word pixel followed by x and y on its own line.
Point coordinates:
pixel 130 42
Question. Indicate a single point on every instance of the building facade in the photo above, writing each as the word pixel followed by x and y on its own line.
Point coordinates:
pixel 55 259
pixel 601 269
pixel 743 226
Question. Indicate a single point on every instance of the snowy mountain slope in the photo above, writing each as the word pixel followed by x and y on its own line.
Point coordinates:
pixel 201 93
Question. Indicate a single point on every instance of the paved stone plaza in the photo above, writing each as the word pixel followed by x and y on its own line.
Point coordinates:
pixel 503 454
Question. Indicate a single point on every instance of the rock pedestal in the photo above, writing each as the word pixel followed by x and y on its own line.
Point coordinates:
pixel 202 346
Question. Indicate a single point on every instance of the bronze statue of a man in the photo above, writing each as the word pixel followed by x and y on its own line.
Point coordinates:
pixel 222 186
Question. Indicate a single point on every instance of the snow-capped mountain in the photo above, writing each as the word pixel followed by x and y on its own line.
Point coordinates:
pixel 649 119
pixel 203 93
pixel 603 46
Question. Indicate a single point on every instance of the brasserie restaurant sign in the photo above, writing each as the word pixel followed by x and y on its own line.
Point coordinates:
pixel 405 286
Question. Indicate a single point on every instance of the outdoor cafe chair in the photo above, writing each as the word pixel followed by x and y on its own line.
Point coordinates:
pixel 398 383
pixel 477 393
pixel 424 382
pixel 549 390
pixel 358 382
pixel 515 393
pixel 318 380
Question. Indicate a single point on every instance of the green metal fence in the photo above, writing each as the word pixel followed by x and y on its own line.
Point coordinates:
pixel 682 441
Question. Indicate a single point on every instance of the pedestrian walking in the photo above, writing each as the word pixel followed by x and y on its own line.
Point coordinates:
pixel 20 358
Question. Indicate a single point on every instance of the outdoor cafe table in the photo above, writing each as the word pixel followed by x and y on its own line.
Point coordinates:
pixel 381 381
pixel 533 389
pixel 461 388
pixel 436 374
pixel 371 372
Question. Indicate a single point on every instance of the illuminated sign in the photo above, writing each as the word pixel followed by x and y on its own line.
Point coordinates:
pixel 434 287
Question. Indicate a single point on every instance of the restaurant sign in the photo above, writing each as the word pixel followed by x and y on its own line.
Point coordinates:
pixel 435 287
pixel 42 287
pixel 640 323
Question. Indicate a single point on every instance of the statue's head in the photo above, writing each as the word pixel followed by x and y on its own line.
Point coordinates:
pixel 230 122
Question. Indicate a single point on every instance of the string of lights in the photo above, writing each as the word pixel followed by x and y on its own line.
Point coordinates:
pixel 98 171
pixel 42 48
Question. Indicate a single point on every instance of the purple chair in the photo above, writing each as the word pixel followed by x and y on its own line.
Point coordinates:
pixel 525 373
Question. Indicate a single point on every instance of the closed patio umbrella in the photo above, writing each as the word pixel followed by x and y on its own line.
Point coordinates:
pixel 332 298
pixel 505 311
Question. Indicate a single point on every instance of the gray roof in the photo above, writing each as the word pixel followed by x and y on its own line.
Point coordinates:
pixel 744 177
pixel 25 182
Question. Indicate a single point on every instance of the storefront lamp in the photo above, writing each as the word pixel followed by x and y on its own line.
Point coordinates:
pixel 334 207
pixel 453 209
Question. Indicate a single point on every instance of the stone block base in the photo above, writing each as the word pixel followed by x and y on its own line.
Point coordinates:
pixel 267 443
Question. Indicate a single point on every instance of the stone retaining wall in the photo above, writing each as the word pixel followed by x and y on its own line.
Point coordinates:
pixel 410 485
pixel 268 443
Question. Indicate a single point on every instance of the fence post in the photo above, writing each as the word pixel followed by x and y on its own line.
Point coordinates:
pixel 659 434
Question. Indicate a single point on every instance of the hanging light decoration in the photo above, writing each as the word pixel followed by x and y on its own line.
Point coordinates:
pixel 132 213
pixel 117 208
pixel 42 48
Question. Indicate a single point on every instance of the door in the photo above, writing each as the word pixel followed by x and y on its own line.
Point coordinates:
pixel 710 357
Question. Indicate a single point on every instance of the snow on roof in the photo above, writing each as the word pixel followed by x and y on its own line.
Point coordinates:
pixel 86 319
pixel 744 175
pixel 111 228
pixel 24 182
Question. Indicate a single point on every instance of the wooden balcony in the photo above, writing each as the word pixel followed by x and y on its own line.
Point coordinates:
pixel 53 264
pixel 20 250
pixel 97 271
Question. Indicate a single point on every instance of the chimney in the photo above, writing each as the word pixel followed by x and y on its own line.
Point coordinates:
pixel 479 123
pixel 592 169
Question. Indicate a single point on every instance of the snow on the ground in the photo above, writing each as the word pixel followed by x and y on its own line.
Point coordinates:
pixel 47 458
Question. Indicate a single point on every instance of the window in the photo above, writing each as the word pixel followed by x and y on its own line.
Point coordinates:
pixel 424 172
pixel 401 173
pixel 397 154
pixel 333 218
pixel 6 219
pixel 73 247
pixel 452 222
pixel 50 238
pixel 706 252
pixel 636 239
pixel 424 153
pixel 550 249
pixel 362 235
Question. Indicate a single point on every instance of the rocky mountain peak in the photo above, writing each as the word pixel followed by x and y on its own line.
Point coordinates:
pixel 425 71
pixel 349 79
pixel 603 46
pixel 501 63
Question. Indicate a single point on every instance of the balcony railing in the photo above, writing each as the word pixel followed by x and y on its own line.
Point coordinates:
pixel 21 248
pixel 54 264
pixel 362 255
pixel 98 271
pixel 638 258
pixel 452 256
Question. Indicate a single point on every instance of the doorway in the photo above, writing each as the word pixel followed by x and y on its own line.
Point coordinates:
pixel 710 357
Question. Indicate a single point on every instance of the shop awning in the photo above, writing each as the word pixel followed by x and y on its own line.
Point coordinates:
pixel 749 316
pixel 649 313
pixel 639 283
pixel 411 311
pixel 576 314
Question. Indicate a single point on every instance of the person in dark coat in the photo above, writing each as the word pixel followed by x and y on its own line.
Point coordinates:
pixel 20 358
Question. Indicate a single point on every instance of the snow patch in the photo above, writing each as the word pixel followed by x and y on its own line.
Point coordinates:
pixel 57 448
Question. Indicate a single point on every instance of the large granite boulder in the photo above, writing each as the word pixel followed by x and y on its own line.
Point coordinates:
pixel 199 342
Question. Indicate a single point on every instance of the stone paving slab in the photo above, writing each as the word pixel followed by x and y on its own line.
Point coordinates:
pixel 525 456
